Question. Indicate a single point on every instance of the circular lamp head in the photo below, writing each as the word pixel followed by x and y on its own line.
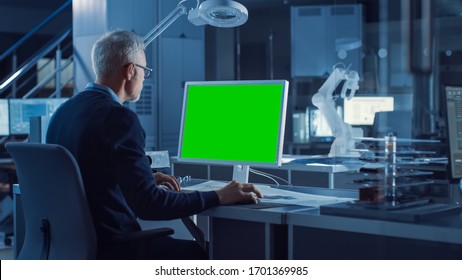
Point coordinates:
pixel 219 13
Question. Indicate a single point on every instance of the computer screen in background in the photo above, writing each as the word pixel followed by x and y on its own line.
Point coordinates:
pixel 234 122
pixel 22 109
pixel 318 126
pixel 453 98
pixel 4 118
pixel 360 110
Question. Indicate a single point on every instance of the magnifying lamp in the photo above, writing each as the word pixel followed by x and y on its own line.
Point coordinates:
pixel 219 13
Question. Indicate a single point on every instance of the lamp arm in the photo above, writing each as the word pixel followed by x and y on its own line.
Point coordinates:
pixel 165 23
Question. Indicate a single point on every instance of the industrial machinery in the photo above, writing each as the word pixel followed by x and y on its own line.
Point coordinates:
pixel 344 143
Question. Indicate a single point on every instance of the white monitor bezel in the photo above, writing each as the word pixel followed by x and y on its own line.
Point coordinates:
pixel 281 132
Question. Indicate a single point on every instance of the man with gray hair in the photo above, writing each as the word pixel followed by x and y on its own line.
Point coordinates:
pixel 107 140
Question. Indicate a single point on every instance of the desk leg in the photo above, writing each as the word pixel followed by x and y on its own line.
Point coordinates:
pixel 210 238
pixel 331 180
pixel 268 242
pixel 18 223
pixel 290 242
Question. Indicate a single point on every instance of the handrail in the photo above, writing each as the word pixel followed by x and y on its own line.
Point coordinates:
pixel 28 35
pixel 5 84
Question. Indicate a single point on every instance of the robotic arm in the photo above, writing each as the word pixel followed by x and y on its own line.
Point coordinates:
pixel 344 143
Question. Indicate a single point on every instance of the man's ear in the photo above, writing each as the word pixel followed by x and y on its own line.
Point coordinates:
pixel 130 71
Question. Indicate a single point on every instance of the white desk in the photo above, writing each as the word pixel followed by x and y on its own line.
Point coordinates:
pixel 298 232
pixel 244 232
pixel 255 231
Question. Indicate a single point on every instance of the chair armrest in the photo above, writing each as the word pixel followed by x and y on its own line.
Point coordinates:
pixel 143 235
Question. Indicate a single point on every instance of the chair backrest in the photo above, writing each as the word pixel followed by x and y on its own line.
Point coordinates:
pixel 58 223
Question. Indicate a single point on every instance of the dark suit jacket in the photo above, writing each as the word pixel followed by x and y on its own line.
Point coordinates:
pixel 108 141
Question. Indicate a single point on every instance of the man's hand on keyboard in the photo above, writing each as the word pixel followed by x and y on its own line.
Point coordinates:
pixel 167 180
pixel 235 192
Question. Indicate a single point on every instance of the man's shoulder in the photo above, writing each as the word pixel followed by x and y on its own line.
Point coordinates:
pixel 118 111
pixel 98 99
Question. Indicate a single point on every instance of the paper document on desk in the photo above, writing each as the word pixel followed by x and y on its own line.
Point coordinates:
pixel 275 195
pixel 206 186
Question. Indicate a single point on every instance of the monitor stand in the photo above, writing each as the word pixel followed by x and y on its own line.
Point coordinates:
pixel 241 173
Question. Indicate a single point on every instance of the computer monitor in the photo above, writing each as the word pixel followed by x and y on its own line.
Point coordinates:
pixel 22 109
pixel 241 123
pixel 318 126
pixel 4 118
pixel 360 110
pixel 453 100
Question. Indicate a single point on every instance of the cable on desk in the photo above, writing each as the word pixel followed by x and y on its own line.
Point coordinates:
pixel 270 176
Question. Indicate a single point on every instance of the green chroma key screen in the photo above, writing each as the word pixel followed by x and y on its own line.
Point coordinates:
pixel 233 122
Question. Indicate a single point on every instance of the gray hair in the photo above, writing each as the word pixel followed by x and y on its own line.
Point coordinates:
pixel 115 49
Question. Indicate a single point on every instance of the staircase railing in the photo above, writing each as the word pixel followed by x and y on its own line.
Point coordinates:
pixel 23 79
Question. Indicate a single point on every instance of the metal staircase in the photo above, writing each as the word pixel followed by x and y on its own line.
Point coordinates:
pixel 39 70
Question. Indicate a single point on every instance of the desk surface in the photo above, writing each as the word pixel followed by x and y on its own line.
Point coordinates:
pixel 444 229
pixel 439 229
pixel 273 215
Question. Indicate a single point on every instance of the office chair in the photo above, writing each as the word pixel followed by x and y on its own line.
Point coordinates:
pixel 6 219
pixel 58 222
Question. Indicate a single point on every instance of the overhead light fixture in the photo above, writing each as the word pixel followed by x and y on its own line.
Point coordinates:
pixel 219 13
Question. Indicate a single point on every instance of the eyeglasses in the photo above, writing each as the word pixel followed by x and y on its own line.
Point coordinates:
pixel 147 71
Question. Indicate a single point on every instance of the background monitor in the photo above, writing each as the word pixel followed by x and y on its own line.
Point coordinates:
pixel 22 109
pixel 234 122
pixel 360 110
pixel 453 100
pixel 397 122
pixel 318 126
pixel 4 118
